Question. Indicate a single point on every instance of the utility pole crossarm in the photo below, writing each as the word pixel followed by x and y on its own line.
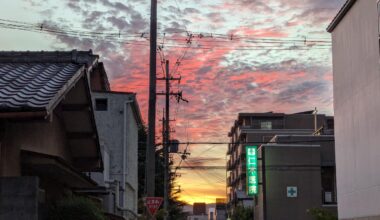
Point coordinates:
pixel 171 78
pixel 171 93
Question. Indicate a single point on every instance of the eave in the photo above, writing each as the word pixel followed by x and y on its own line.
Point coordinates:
pixel 49 166
pixel 342 12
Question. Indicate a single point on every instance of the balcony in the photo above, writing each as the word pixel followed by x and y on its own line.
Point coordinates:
pixel 234 181
pixel 242 169
pixel 229 165
pixel 234 163
pixel 242 175
pixel 229 150
pixel 229 181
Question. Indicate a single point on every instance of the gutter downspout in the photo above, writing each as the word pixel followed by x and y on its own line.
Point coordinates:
pixel 125 147
pixel 118 206
pixel 126 103
pixel 117 199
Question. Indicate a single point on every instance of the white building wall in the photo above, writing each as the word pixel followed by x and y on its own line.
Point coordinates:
pixel 357 111
pixel 111 129
pixel 132 160
pixel 211 214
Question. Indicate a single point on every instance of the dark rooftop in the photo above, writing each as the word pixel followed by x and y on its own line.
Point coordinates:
pixel 74 56
pixel 36 81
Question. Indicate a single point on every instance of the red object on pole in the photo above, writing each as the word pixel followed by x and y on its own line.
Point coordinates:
pixel 153 204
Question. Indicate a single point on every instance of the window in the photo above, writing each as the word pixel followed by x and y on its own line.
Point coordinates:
pixel 266 125
pixel 101 104
pixel 328 185
pixel 330 123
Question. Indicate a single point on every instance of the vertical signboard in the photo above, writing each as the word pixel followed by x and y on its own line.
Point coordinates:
pixel 252 174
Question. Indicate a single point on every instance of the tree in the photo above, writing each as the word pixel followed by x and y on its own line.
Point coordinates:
pixel 75 207
pixel 322 214
pixel 242 213
pixel 141 159
pixel 175 206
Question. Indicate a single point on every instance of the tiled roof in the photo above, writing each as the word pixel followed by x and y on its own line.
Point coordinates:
pixel 27 86
pixel 34 81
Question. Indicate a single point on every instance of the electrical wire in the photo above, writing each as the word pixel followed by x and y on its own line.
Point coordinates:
pixel 139 39
pixel 253 142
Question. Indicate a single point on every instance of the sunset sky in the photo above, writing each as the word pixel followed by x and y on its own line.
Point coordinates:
pixel 244 56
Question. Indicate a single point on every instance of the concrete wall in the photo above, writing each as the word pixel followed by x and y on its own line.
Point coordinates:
pixel 220 214
pixel 19 198
pixel 111 127
pixel 132 158
pixel 42 136
pixel 291 166
pixel 357 107
pixel 326 142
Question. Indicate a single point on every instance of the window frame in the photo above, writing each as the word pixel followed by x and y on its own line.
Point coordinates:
pixel 101 106
pixel 266 127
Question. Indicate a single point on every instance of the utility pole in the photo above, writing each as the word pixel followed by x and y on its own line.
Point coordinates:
pixel 167 140
pixel 166 131
pixel 151 145
pixel 315 119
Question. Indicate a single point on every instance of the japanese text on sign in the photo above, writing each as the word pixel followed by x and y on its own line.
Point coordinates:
pixel 252 175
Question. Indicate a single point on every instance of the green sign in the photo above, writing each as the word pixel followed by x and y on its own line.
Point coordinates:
pixel 252 175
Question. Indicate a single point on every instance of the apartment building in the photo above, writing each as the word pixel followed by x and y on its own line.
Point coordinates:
pixel 257 129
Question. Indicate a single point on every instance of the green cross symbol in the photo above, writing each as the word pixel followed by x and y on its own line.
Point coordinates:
pixel 291 191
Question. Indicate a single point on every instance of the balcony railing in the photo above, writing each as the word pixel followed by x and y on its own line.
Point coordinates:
pixel 229 165
pixel 229 181
pixel 229 150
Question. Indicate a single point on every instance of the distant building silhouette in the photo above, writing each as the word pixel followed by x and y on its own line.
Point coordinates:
pixel 199 208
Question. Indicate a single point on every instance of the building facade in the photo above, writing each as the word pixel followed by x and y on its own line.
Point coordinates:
pixel 118 120
pixel 48 133
pixel 220 209
pixel 297 174
pixel 199 208
pixel 257 129
pixel 355 43
pixel 211 214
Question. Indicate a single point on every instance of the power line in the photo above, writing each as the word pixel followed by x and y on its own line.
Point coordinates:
pixel 204 167
pixel 253 142
pixel 203 177
pixel 139 39
pixel 43 27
